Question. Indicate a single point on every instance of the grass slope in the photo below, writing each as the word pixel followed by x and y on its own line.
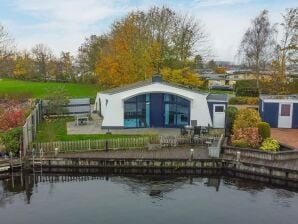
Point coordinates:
pixel 40 89
pixel 55 130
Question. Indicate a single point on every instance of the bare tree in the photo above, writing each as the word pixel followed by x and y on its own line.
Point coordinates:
pixel 6 43
pixel 288 47
pixel 6 51
pixel 187 34
pixel 42 55
pixel 89 52
pixel 257 42
pixel 179 36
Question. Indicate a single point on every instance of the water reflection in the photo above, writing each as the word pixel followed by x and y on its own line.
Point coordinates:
pixel 105 198
pixel 154 186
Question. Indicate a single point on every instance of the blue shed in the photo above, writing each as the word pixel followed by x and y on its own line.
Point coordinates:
pixel 217 104
pixel 279 111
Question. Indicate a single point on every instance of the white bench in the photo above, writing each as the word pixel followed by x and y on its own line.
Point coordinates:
pixel 80 120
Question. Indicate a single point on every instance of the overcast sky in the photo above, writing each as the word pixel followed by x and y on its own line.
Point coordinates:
pixel 64 24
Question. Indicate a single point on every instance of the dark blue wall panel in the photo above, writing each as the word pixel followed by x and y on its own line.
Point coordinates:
pixel 295 116
pixel 270 114
pixel 210 107
pixel 157 110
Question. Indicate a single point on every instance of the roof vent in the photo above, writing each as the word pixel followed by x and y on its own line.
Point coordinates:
pixel 156 78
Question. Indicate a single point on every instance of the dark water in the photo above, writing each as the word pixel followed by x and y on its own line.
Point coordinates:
pixel 144 199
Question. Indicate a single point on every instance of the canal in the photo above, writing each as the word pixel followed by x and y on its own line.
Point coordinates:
pixel 143 199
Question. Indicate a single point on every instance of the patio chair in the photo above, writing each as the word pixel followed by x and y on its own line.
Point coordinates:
pixel 197 130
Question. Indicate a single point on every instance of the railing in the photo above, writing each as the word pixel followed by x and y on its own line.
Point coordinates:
pixel 95 144
pixel 258 154
pixel 142 142
pixel 172 141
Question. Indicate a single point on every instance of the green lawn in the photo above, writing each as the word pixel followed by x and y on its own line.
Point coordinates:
pixel 40 89
pixel 55 130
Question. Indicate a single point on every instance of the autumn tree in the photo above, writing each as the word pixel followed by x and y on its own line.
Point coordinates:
pixel 143 43
pixel 257 43
pixel 23 66
pixel 126 58
pixel 184 76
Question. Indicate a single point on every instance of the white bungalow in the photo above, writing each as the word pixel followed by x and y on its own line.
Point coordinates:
pixel 157 103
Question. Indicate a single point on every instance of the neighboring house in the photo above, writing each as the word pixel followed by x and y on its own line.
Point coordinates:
pixel 279 111
pixel 155 103
pixel 214 79
pixel 228 80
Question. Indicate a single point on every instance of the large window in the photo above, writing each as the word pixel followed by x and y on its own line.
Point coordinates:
pixel 177 111
pixel 156 110
pixel 137 111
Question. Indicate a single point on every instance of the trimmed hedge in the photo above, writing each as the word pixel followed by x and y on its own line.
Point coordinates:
pixel 230 117
pixel 240 100
pixel 247 88
pixel 264 130
pixel 251 91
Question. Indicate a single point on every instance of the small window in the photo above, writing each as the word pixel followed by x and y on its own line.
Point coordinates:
pixel 285 110
pixel 107 102
pixel 219 108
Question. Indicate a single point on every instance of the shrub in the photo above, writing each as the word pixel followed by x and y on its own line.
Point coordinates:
pixel 250 91
pixel 20 96
pixel 246 118
pixel 11 140
pixel 270 144
pixel 249 136
pixel 241 143
pixel 252 100
pixel 230 117
pixel 220 70
pixel 240 100
pixel 264 130
pixel 237 100
pixel 12 116
pixel 246 88
pixel 246 84
pixel 55 102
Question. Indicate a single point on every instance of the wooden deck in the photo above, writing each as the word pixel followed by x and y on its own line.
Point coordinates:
pixel 281 164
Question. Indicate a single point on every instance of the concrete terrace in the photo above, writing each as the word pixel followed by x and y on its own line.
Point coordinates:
pixel 94 127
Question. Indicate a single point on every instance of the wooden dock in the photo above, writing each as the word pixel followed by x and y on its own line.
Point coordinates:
pixel 171 160
pixel 180 161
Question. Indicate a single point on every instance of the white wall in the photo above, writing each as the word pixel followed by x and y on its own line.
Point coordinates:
pixel 113 112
